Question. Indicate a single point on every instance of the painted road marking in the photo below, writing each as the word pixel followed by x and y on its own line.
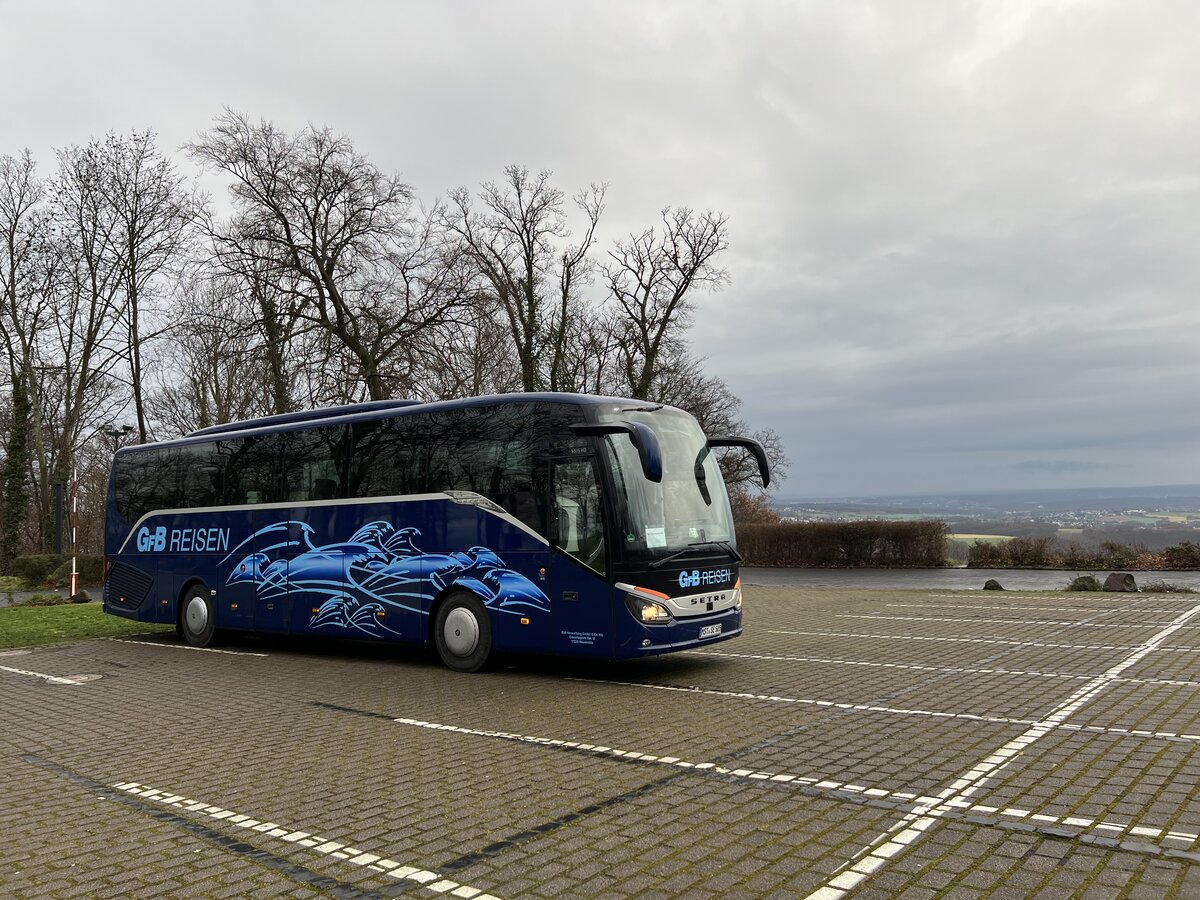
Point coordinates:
pixel 970 640
pixel 950 670
pixel 912 827
pixel 824 786
pixel 1069 624
pixel 897 710
pixel 186 647
pixel 376 863
pixel 1121 597
pixel 1023 609
pixel 51 679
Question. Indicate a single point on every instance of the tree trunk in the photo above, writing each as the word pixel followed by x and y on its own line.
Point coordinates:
pixel 15 471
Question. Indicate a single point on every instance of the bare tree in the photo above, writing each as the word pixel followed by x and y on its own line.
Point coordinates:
pixel 220 371
pixel 520 243
pixel 339 236
pixel 22 314
pixel 652 277
pixel 83 346
pixel 683 383
pixel 153 217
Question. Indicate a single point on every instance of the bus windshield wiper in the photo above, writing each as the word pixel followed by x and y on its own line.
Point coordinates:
pixel 722 545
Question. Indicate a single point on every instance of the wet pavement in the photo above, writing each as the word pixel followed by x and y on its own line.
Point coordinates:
pixel 865 743
pixel 949 579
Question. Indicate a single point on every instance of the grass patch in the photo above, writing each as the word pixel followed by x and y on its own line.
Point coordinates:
pixel 1166 587
pixel 32 626
pixel 957 536
pixel 10 583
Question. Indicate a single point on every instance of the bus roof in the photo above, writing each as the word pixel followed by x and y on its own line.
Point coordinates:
pixel 304 415
pixel 378 409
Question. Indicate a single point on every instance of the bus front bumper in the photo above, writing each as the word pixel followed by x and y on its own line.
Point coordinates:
pixel 688 633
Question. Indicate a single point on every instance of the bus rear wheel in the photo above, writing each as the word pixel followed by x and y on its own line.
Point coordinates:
pixel 463 632
pixel 197 622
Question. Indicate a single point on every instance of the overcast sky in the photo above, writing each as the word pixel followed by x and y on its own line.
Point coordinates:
pixel 965 236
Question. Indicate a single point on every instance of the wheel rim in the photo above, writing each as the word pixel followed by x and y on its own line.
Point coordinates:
pixel 461 632
pixel 196 615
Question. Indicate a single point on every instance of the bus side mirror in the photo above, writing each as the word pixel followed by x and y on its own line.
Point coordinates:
pixel 644 440
pixel 764 470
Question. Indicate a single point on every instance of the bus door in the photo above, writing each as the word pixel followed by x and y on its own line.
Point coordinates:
pixel 580 595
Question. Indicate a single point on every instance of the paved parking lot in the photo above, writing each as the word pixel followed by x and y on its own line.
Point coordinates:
pixel 851 743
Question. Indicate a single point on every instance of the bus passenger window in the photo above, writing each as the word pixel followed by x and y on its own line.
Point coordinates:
pixel 578 516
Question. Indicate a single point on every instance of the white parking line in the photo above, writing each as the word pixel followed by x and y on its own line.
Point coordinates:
pixel 950 670
pixel 942 809
pixel 375 862
pixel 1120 597
pixel 970 640
pixel 1070 624
pixel 50 679
pixel 1023 609
pixel 896 710
pixel 913 826
pixel 186 647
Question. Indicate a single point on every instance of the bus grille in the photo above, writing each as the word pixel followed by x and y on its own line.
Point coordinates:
pixel 126 586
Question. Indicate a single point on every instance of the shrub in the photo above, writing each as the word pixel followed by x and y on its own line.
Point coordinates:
pixel 1166 587
pixel 47 570
pixel 1085 583
pixel 987 555
pixel 46 600
pixel 1117 556
pixel 1029 552
pixel 1182 556
pixel 36 569
pixel 844 544
pixel 90 567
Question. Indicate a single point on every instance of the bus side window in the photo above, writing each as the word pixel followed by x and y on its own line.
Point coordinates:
pixel 383 462
pixel 578 516
pixel 249 470
pixel 310 463
pixel 200 476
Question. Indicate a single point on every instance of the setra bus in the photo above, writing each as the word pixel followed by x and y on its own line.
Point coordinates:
pixel 551 523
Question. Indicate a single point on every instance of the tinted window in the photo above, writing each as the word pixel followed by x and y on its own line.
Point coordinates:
pixel 493 451
pixel 200 474
pixel 311 463
pixel 386 461
pixel 249 470
pixel 145 481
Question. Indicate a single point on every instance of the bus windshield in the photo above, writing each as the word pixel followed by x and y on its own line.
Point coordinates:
pixel 690 506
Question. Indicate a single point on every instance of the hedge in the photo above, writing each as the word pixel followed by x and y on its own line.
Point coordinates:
pixel 844 544
pixel 49 570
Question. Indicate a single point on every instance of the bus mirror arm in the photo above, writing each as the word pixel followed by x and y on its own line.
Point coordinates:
pixel 642 437
pixel 764 470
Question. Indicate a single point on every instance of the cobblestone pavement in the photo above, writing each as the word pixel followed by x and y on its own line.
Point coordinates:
pixel 851 743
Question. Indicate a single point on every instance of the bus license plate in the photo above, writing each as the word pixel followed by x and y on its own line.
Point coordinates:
pixel 710 630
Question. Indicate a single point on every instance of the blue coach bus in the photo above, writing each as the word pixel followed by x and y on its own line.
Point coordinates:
pixel 552 523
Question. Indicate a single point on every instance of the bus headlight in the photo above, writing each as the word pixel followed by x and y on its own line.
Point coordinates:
pixel 647 611
pixel 737 595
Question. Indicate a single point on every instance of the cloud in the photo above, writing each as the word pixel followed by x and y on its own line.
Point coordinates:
pixel 1059 466
pixel 963 235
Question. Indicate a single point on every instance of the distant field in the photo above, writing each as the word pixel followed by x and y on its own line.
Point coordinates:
pixel 1175 518
pixel 980 537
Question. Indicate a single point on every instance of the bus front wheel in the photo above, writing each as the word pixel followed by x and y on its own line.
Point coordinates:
pixel 197 621
pixel 463 632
